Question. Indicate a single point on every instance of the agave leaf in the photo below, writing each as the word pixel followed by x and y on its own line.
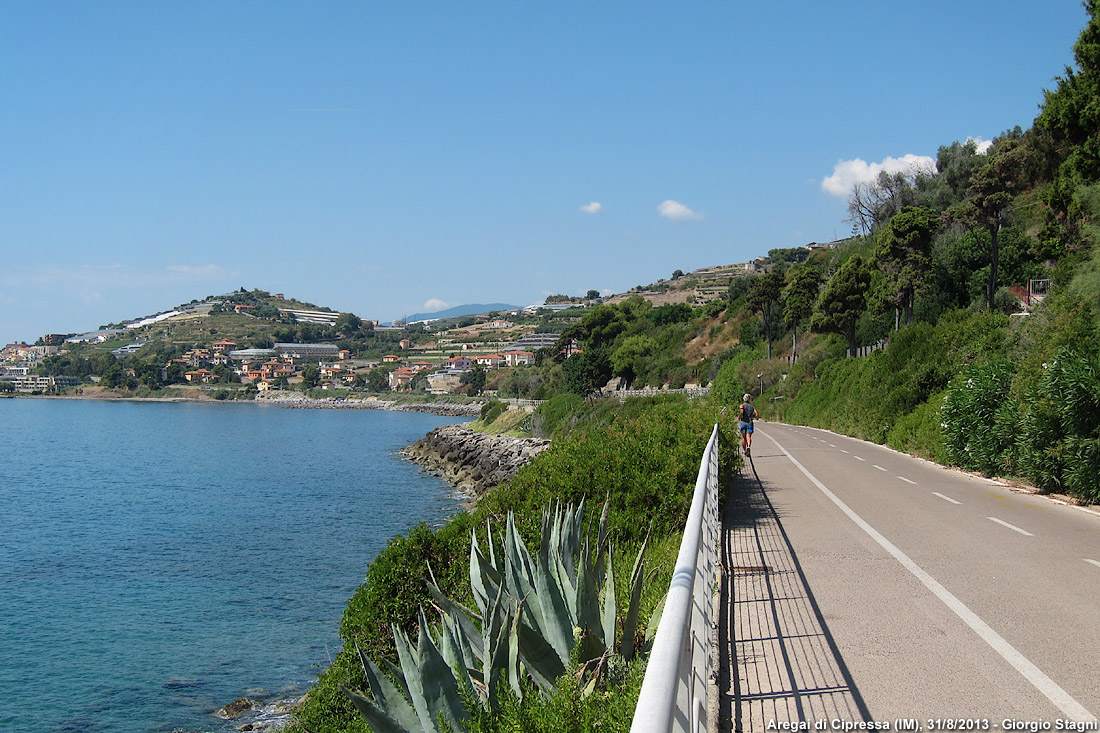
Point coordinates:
pixel 432 687
pixel 540 659
pixel 493 619
pixel 388 698
pixel 485 579
pixel 397 674
pixel 519 568
pixel 555 622
pixel 470 654
pixel 453 650
pixel 558 560
pixel 587 594
pixel 378 720
pixel 607 618
pixel 576 532
pixel 630 621
pixel 553 523
pixel 514 676
pixel 437 681
pixel 477 583
pixel 461 615
pixel 491 544
pixel 654 619
pixel 568 543
pixel 603 518
pixel 601 538
pixel 519 575
pixel 407 673
pixel 496 649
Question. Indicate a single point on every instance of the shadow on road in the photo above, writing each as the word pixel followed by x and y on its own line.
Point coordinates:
pixel 778 662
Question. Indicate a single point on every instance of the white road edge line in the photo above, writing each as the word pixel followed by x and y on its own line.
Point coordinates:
pixel 946 498
pixel 909 481
pixel 1091 562
pixel 1044 684
pixel 1013 527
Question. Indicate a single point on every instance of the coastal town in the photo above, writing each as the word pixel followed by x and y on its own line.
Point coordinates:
pixel 277 344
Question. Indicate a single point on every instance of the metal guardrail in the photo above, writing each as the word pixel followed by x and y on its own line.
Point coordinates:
pixel 678 678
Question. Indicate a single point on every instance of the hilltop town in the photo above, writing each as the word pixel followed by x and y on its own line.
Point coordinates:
pixel 237 345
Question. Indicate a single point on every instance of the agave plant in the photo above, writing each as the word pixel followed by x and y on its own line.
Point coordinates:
pixel 535 616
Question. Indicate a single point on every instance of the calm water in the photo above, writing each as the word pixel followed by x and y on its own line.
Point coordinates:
pixel 160 560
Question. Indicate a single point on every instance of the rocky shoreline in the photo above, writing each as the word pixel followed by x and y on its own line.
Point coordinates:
pixel 284 399
pixel 296 400
pixel 473 462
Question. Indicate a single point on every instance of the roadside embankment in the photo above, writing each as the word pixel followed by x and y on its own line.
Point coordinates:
pixel 473 462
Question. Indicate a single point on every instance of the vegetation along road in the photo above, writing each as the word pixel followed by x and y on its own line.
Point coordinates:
pixel 867 585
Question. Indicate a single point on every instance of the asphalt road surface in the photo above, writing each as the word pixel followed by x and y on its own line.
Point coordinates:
pixel 864 586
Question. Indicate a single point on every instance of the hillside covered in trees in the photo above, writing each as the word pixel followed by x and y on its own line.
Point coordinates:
pixel 983 278
pixel 978 282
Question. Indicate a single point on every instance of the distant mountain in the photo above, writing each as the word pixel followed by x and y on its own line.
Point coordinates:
pixel 473 309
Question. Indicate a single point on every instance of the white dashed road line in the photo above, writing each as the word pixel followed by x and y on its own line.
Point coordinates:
pixel 1039 679
pixel 844 451
pixel 1013 527
pixel 908 481
pixel 860 459
pixel 1091 562
pixel 878 467
pixel 948 498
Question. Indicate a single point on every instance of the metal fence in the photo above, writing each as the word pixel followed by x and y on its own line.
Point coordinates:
pixel 680 672
pixel 622 394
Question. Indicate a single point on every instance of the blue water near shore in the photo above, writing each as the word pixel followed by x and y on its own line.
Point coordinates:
pixel 158 561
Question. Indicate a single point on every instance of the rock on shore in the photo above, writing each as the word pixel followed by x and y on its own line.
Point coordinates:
pixel 474 462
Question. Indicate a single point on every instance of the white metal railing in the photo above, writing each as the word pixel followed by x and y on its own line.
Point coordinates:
pixel 678 676
pixel 622 394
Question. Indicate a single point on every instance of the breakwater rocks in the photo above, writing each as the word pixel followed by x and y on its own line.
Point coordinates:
pixel 473 462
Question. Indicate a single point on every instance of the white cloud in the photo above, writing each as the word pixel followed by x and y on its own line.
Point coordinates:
pixel 113 275
pixel 593 208
pixel 848 173
pixel 198 272
pixel 983 145
pixel 434 304
pixel 677 212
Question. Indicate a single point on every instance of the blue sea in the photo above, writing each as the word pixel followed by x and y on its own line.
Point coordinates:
pixel 160 560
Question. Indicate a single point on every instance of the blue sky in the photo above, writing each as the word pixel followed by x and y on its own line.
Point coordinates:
pixel 391 157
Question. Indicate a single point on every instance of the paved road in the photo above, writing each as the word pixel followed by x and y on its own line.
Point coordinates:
pixel 866 585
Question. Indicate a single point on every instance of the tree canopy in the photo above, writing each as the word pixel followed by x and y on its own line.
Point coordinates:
pixel 843 301
pixel 904 254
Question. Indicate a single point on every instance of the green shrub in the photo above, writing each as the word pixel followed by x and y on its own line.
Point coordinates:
pixel 1059 449
pixel 919 432
pixel 550 414
pixel 491 410
pixel 976 401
